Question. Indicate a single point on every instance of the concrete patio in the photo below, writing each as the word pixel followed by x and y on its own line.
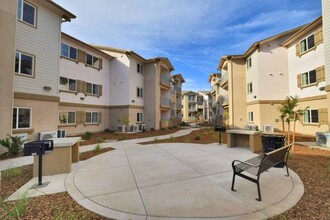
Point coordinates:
pixel 169 181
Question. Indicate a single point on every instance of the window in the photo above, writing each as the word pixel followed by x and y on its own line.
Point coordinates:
pixel 24 64
pixel 249 88
pixel 249 62
pixel 307 43
pixel 308 78
pixel 68 51
pixel 92 60
pixel 92 88
pixel 22 118
pixel 26 12
pixel 139 92
pixel 139 117
pixel 191 98
pixel 139 68
pixel 91 117
pixel 311 116
pixel 68 84
pixel 250 116
pixel 67 118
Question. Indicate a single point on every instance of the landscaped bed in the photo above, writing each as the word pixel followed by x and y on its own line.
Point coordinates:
pixel 312 165
pixel 100 137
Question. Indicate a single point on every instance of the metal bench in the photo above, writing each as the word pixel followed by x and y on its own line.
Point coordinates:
pixel 257 165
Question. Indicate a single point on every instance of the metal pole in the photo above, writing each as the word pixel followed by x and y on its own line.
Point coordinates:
pixel 40 170
pixel 219 137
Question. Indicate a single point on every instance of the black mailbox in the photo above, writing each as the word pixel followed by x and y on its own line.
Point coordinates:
pixel 219 128
pixel 38 147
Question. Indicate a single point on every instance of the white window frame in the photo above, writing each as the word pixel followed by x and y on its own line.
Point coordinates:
pixel 250 116
pixel 310 116
pixel 69 52
pixel 139 92
pixel 92 122
pixel 93 61
pixel 20 64
pixel 308 78
pixel 17 119
pixel 20 13
pixel 67 118
pixel 306 39
pixel 249 63
pixel 98 89
pixel 250 88
pixel 139 117
pixel 67 85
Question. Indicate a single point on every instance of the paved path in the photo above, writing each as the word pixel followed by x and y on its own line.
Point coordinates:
pixel 171 181
pixel 21 161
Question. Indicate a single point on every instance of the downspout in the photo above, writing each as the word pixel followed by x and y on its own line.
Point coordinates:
pixel 232 89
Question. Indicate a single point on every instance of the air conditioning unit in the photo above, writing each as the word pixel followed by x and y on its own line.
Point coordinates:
pixel 323 139
pixel 143 127
pixel 268 129
pixel 61 133
pixel 121 128
pixel 47 135
pixel 135 128
pixel 131 128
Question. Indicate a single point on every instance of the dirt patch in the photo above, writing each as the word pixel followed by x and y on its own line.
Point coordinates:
pixel 202 136
pixel 90 154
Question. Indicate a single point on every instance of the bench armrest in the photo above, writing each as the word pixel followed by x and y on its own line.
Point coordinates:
pixel 246 163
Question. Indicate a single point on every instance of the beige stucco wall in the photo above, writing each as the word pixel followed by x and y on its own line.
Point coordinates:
pixel 237 93
pixel 151 95
pixel 43 116
pixel 81 128
pixel 7 43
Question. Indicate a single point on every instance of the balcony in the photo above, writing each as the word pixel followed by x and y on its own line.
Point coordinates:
pixel 178 89
pixel 178 106
pixel 165 103
pixel 165 80
pixel 200 106
pixel 224 100
pixel 224 81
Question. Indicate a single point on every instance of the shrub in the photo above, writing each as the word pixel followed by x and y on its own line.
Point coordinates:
pixel 14 144
pixel 186 140
pixel 65 215
pixel 87 136
pixel 183 123
pixel 197 137
pixel 107 130
pixel 152 129
pixel 172 138
pixel 175 126
pixel 121 138
pixel 97 148
pixel 170 127
pixel 100 140
pixel 15 210
pixel 163 129
pixel 155 139
pixel 12 171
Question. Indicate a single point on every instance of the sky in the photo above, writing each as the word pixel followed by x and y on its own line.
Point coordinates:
pixel 193 34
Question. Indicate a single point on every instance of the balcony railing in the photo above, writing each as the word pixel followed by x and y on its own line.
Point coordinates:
pixel 164 79
pixel 178 88
pixel 165 102
pixel 224 77
pixel 224 100
pixel 178 106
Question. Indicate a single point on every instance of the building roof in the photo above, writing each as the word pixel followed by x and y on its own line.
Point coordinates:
pixel 304 30
pixel 257 44
pixel 86 45
pixel 213 75
pixel 164 59
pixel 179 77
pixel 205 92
pixel 187 92
pixel 66 15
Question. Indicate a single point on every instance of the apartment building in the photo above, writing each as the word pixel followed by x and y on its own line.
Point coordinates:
pixel 176 91
pixel 31 79
pixel 233 100
pixel 326 36
pixel 84 87
pixel 267 76
pixel 306 65
pixel 195 106
pixel 215 110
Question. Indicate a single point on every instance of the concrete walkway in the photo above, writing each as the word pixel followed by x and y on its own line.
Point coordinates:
pixel 171 181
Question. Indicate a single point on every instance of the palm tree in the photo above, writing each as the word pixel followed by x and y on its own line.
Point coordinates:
pixel 289 112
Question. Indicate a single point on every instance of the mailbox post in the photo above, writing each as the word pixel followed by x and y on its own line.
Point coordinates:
pixel 219 129
pixel 38 148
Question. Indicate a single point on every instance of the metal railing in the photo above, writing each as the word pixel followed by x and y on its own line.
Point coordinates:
pixel 224 100
pixel 165 102
pixel 165 79
pixel 224 77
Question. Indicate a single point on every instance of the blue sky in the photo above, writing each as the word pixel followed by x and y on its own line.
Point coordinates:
pixel 193 34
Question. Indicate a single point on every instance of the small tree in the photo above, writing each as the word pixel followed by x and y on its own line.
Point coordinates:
pixel 289 112
pixel 125 120
pixel 14 144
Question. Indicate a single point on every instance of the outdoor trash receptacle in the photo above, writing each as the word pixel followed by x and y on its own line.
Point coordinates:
pixel 272 142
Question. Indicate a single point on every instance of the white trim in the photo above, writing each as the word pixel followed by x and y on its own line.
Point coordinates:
pixel 35 14
pixel 306 38
pixel 67 115
pixel 20 63
pixel 17 118
pixel 92 123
